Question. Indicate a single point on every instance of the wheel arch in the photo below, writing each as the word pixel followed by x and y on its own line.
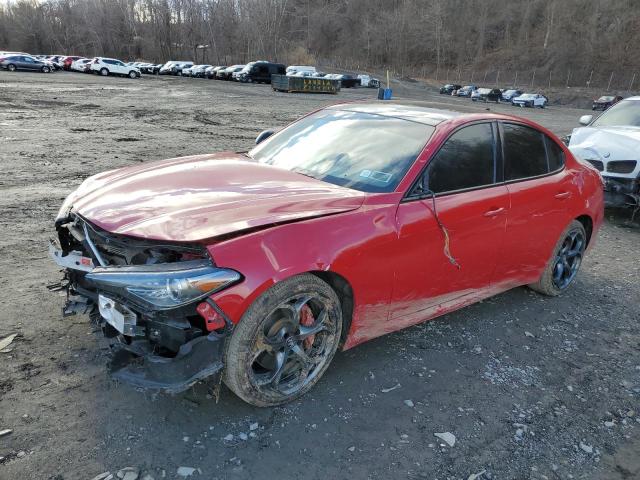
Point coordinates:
pixel 587 223
pixel 343 289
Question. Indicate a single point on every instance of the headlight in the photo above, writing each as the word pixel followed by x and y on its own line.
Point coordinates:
pixel 164 286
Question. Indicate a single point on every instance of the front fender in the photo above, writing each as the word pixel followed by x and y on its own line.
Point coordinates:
pixel 357 245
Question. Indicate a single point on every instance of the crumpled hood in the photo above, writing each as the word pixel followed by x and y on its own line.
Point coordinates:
pixel 606 143
pixel 205 196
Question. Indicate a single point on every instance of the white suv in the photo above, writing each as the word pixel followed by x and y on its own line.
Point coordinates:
pixel 106 66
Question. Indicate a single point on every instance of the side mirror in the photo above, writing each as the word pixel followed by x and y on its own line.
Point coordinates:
pixel 264 135
pixel 585 119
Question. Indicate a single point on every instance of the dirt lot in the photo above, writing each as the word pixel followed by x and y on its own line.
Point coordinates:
pixel 531 387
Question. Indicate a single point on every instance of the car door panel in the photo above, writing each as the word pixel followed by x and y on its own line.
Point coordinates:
pixel 537 217
pixel 475 224
pixel 449 240
pixel 538 212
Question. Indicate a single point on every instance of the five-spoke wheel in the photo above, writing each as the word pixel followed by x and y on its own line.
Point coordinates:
pixel 568 259
pixel 562 268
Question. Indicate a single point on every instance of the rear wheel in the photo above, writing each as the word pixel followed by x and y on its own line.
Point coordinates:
pixel 11 67
pixel 284 342
pixel 563 267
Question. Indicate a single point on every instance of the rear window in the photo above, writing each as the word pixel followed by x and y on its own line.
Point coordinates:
pixel 524 152
pixel 555 155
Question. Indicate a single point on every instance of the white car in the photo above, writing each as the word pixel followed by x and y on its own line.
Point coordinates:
pixel 299 68
pixel 510 94
pixel 111 66
pixel 530 100
pixel 368 81
pixel 198 70
pixel 466 91
pixel 81 65
pixel 186 72
pixel 611 143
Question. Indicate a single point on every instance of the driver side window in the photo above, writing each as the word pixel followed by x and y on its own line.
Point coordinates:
pixel 466 160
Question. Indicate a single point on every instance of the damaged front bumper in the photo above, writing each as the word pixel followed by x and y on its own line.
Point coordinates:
pixel 167 333
pixel 196 360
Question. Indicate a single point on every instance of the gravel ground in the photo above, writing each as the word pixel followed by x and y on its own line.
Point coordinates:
pixel 531 387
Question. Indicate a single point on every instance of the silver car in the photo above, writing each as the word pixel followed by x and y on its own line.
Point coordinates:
pixel 24 62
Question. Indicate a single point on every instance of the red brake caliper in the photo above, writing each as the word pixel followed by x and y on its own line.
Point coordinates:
pixel 306 319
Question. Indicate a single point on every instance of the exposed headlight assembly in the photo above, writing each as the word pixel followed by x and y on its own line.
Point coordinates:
pixel 164 286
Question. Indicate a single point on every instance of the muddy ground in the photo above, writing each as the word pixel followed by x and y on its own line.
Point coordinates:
pixel 531 387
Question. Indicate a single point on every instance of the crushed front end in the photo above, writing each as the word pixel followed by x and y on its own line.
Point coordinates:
pixel 152 299
pixel 621 181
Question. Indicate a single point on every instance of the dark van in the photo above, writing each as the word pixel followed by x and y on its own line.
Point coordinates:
pixel 260 72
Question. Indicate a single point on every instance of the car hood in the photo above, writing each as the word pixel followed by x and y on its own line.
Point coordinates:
pixel 200 197
pixel 606 143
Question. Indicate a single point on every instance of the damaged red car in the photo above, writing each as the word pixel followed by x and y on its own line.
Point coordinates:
pixel 354 221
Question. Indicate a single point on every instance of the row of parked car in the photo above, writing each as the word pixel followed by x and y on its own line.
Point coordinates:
pixel 253 72
pixel 515 96
pixel 14 61
pixel 256 72
pixel 510 95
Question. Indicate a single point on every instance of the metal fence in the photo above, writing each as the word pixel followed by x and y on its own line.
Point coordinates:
pixel 623 80
pixel 606 80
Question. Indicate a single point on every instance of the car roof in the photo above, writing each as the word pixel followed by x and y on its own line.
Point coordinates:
pixel 404 111
pixel 632 98
pixel 416 111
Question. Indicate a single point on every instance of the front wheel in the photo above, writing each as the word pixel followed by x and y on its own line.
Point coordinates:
pixel 45 69
pixel 104 72
pixel 284 342
pixel 563 267
pixel 132 74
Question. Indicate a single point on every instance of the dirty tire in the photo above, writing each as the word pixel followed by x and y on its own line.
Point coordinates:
pixel 11 67
pixel 546 284
pixel 263 322
pixel 104 72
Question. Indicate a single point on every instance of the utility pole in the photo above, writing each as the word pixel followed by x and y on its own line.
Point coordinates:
pixel 609 84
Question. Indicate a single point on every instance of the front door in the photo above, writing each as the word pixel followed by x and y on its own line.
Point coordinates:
pixel 449 241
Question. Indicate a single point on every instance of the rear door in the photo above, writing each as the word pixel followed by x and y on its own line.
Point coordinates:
pixel 450 242
pixel 22 62
pixel 539 189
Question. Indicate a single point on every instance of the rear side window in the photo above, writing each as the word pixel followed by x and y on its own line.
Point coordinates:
pixel 555 155
pixel 524 152
pixel 466 160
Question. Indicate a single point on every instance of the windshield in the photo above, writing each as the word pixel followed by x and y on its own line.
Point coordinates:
pixel 527 95
pixel 605 99
pixel 366 152
pixel 626 112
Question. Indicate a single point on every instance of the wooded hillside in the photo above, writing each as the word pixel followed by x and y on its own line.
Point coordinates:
pixel 437 38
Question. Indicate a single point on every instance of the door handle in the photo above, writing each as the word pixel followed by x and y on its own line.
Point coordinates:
pixel 563 195
pixel 494 212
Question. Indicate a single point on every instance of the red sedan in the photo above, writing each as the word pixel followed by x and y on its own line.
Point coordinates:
pixel 352 222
